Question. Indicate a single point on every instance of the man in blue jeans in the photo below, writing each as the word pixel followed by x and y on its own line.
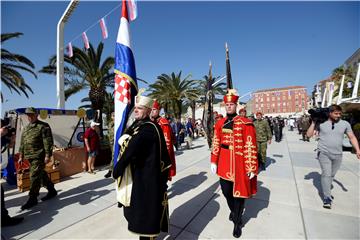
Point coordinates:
pixel 331 135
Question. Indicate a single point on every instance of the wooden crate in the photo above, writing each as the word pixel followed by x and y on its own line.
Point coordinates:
pixel 54 174
pixel 23 181
pixel 23 178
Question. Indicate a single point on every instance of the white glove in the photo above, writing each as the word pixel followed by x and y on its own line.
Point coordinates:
pixel 251 175
pixel 213 168
pixel 123 138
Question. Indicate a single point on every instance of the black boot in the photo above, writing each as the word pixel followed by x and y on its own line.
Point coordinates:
pixel 237 230
pixel 51 193
pixel 11 221
pixel 263 166
pixel 32 201
pixel 108 174
pixel 231 217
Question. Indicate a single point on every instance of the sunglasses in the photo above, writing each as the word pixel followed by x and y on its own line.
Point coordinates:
pixel 332 126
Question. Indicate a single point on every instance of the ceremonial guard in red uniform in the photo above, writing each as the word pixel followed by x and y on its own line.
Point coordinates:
pixel 166 128
pixel 234 159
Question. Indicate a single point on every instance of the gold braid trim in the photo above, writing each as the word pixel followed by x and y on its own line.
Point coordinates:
pixel 216 145
pixel 250 155
pixel 165 204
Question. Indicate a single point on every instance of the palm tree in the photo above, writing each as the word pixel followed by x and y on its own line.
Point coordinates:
pixel 217 89
pixel 11 63
pixel 85 70
pixel 108 106
pixel 336 76
pixel 172 92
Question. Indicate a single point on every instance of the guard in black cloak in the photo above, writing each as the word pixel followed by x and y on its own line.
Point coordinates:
pixel 143 147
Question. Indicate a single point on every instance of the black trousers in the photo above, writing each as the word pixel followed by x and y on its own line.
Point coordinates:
pixel 236 205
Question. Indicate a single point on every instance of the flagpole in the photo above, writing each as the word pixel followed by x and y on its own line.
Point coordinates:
pixel 60 53
pixel 228 70
pixel 208 118
pixel 356 85
pixel 222 78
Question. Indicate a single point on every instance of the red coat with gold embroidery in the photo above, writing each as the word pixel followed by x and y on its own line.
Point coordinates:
pixel 166 128
pixel 235 153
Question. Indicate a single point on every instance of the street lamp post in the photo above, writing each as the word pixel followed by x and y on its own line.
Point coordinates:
pixel 60 53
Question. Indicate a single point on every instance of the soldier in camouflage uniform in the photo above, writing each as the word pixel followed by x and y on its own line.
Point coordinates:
pixel 111 142
pixel 304 124
pixel 36 146
pixel 263 137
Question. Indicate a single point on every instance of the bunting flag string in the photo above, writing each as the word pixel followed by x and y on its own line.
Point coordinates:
pixel 86 40
pixel 132 9
pixel 70 50
pixel 103 27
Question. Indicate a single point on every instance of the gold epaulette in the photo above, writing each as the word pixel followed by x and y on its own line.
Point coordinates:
pixel 241 121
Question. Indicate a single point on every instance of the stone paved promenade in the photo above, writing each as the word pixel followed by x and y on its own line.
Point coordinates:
pixel 288 204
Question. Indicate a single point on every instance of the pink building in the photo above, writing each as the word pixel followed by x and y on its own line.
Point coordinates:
pixel 280 100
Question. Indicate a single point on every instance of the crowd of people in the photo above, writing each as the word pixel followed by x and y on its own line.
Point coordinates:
pixel 147 152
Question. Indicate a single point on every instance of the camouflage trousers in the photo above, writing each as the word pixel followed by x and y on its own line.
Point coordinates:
pixel 262 146
pixel 38 177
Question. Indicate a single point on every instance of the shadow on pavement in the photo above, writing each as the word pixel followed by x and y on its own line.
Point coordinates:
pixel 178 152
pixel 199 146
pixel 316 181
pixel 254 206
pixel 195 206
pixel 269 161
pixel 42 214
pixel 186 183
pixel 341 185
pixel 316 178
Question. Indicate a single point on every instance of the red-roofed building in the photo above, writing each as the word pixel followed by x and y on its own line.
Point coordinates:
pixel 280 101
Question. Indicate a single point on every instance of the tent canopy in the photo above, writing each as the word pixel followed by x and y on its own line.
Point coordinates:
pixel 63 124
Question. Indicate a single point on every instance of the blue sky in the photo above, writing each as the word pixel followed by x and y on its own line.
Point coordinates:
pixel 272 44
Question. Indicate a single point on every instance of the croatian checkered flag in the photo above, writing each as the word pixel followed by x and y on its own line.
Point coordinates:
pixel 125 79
